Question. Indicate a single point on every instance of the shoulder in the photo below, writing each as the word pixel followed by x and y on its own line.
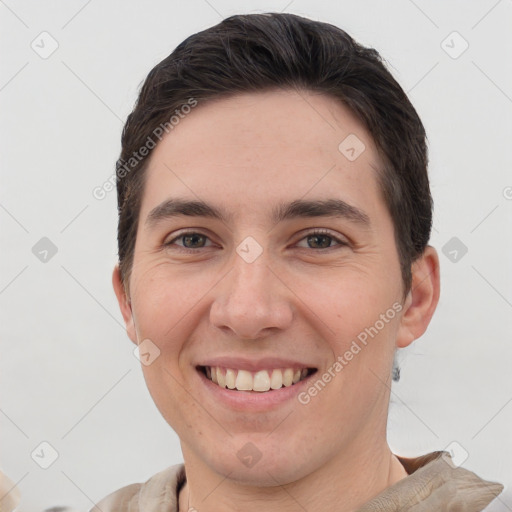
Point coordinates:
pixel 435 482
pixel 160 489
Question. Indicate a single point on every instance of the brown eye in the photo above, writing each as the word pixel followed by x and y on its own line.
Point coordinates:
pixel 189 241
pixel 194 240
pixel 321 240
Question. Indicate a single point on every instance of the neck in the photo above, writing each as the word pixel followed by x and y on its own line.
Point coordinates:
pixel 343 484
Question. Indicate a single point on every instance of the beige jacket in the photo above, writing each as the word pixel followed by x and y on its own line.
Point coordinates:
pixel 433 484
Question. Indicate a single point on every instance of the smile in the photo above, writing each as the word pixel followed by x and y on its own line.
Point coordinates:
pixel 260 381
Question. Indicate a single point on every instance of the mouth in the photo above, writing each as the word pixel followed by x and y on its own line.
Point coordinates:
pixel 261 381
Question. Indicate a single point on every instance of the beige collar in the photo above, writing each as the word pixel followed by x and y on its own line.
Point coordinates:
pixel 434 483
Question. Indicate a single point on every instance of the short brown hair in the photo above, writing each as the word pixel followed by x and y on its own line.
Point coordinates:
pixel 255 52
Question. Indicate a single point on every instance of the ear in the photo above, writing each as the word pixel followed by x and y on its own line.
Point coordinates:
pixel 124 304
pixel 422 300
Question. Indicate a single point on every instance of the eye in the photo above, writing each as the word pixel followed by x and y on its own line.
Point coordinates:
pixel 321 239
pixel 190 240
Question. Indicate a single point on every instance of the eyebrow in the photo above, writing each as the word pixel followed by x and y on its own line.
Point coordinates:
pixel 337 208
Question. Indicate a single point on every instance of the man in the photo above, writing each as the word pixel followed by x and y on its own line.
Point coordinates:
pixel 274 219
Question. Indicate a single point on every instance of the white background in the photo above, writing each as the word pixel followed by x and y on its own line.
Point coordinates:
pixel 68 374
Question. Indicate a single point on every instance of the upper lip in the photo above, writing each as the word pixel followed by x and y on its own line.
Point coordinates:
pixel 253 365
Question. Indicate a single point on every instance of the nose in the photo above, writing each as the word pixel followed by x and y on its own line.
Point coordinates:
pixel 252 301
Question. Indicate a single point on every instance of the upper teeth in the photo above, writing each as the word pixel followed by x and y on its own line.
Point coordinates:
pixel 262 380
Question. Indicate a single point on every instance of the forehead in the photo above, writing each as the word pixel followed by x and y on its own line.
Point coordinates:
pixel 253 151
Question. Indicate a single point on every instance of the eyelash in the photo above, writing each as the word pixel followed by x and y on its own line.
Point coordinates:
pixel 187 250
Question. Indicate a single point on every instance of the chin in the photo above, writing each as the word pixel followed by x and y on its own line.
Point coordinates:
pixel 258 462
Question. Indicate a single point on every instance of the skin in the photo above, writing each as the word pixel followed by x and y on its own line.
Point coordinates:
pixel 247 154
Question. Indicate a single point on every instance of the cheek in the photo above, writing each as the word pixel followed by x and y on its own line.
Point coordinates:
pixel 168 308
pixel 173 398
pixel 359 320
pixel 163 299
pixel 347 304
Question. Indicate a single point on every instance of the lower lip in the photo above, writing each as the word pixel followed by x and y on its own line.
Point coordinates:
pixel 254 400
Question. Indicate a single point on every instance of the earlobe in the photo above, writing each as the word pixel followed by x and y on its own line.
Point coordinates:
pixel 124 304
pixel 422 300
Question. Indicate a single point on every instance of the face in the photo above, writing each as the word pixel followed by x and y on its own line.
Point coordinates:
pixel 286 268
